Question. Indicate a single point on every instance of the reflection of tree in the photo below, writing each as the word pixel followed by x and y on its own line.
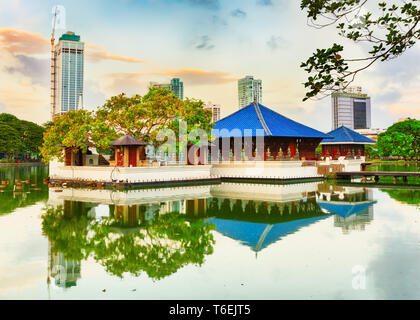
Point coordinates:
pixel 67 230
pixel 409 196
pixel 158 249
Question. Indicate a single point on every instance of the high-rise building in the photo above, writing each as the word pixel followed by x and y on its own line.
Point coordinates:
pixel 249 91
pixel 176 86
pixel 68 74
pixel 351 108
pixel 215 109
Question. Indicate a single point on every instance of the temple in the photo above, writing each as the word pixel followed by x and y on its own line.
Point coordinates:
pixel 284 139
pixel 345 143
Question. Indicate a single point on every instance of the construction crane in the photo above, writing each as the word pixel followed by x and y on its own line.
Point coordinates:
pixel 53 75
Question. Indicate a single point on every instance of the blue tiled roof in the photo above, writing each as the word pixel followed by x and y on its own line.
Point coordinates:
pixel 256 116
pixel 345 210
pixel 260 235
pixel 344 134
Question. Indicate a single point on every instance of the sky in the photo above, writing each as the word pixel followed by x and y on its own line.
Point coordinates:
pixel 209 44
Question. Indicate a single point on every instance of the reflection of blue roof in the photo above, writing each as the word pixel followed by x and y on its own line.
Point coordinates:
pixel 259 235
pixel 345 210
pixel 344 134
pixel 256 116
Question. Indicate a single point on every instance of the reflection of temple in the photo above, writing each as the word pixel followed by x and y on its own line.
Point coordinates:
pixel 256 215
pixel 64 272
pixel 353 207
pixel 259 215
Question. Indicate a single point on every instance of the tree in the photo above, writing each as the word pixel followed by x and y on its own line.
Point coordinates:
pixel 74 130
pixel 24 137
pixel 402 139
pixel 10 142
pixel 143 117
pixel 140 117
pixel 388 33
pixel 371 151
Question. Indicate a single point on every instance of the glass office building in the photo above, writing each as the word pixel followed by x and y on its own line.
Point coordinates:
pixel 68 73
pixel 249 91
pixel 176 86
pixel 351 108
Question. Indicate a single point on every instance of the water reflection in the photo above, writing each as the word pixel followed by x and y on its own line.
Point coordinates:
pixel 21 187
pixel 130 232
pixel 353 207
pixel 132 239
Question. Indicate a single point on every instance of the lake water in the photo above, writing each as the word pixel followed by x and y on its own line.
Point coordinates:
pixel 222 241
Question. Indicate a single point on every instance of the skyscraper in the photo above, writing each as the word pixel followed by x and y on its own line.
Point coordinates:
pixel 249 90
pixel 215 109
pixel 176 86
pixel 68 74
pixel 351 108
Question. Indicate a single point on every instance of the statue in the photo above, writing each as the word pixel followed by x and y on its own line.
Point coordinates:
pixel 280 155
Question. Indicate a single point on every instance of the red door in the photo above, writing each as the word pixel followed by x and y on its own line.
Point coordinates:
pixel 119 159
pixel 132 158
pixel 68 152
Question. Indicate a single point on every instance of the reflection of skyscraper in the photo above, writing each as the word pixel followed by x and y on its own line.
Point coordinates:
pixel 353 207
pixel 65 272
pixel 68 74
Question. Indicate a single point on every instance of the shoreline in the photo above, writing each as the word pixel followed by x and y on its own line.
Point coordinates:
pixel 23 164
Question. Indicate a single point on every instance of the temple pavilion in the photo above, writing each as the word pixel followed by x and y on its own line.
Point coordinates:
pixel 284 139
pixel 345 143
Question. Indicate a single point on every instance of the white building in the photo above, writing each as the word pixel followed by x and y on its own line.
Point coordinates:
pixel 351 108
pixel 68 75
pixel 249 91
pixel 215 109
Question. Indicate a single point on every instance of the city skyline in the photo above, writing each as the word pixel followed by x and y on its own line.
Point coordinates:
pixel 209 58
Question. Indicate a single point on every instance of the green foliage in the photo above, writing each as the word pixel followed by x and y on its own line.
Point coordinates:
pixel 388 30
pixel 405 195
pixel 19 137
pixel 140 117
pixel 402 139
pixel 371 151
pixel 158 249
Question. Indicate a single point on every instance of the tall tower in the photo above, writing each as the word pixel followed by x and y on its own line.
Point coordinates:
pixel 249 91
pixel 177 87
pixel 215 109
pixel 351 108
pixel 68 74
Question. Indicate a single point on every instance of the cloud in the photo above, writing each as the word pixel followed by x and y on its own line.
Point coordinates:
pixel 275 43
pixel 123 82
pixel 208 4
pixel 216 20
pixel 265 2
pixel 204 43
pixel 96 56
pixel 20 42
pixel 19 94
pixel 23 42
pixel 193 77
pixel 238 13
pixel 37 69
